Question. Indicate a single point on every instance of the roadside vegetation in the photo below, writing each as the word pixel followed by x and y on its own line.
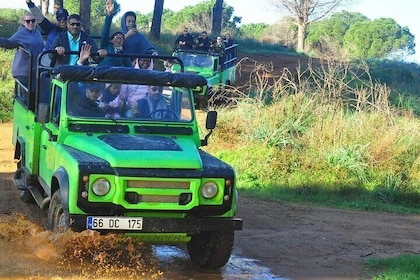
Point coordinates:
pixel 339 133
pixel 405 267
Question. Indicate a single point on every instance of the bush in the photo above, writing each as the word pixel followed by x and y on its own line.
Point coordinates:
pixel 7 82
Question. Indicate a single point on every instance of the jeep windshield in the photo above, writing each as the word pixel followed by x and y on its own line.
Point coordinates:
pixel 127 93
pixel 129 101
pixel 196 62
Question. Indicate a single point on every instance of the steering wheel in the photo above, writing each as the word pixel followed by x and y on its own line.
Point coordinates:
pixel 163 113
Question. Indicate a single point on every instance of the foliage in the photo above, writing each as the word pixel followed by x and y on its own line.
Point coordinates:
pixel 326 37
pixel 6 80
pixel 306 12
pixel 97 6
pixel 253 30
pixel 327 135
pixel 405 267
pixel 402 78
pixel 352 35
pixel 198 17
pixel 379 38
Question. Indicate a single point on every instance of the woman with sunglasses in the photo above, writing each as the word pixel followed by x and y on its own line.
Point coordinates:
pixel 47 27
pixel 29 38
pixel 113 43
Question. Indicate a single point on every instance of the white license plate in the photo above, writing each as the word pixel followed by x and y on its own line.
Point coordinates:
pixel 115 223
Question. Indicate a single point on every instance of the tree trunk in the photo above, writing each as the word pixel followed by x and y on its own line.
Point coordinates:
pixel 216 28
pixel 301 37
pixel 157 19
pixel 84 12
pixel 44 4
pixel 57 5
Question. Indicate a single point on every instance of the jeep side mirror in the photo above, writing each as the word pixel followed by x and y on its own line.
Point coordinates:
pixel 211 120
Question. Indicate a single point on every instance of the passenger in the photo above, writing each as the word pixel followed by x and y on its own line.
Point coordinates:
pixel 218 46
pixel 52 30
pixel 134 41
pixel 229 49
pixel 202 43
pixel 30 39
pixel 113 44
pixel 142 63
pixel 87 101
pixel 184 41
pixel 129 94
pixel 228 41
pixel 153 106
pixel 111 93
pixel 73 40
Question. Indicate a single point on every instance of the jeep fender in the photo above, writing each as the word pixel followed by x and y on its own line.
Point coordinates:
pixel 61 181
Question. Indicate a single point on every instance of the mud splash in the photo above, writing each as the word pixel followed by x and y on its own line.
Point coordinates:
pixel 39 254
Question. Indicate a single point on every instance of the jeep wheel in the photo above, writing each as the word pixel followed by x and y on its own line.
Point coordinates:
pixel 211 249
pixel 58 217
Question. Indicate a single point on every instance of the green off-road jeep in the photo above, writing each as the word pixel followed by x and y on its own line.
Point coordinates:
pixel 219 69
pixel 143 175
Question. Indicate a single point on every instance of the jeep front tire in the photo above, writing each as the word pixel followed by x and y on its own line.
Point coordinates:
pixel 211 249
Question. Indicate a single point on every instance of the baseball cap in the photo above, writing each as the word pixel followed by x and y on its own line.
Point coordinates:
pixel 95 86
pixel 61 14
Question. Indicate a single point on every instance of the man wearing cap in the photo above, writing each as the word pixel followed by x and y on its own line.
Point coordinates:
pixel 87 101
pixel 52 30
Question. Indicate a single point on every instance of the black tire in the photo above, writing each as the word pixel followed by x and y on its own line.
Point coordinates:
pixel 58 217
pixel 211 249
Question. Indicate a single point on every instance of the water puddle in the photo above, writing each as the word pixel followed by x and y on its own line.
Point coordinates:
pixel 29 251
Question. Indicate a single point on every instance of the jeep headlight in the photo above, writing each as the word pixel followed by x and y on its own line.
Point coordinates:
pixel 101 187
pixel 209 189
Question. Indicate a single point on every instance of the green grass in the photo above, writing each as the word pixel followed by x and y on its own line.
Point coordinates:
pixel 405 267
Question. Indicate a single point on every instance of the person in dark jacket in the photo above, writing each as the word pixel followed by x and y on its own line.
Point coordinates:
pixel 47 27
pixel 87 101
pixel 29 38
pixel 184 41
pixel 113 43
pixel 135 42
pixel 202 43
pixel 73 40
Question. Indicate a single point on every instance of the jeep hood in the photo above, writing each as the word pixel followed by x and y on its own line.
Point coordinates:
pixel 139 151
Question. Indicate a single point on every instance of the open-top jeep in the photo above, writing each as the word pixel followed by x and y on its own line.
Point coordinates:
pixel 218 68
pixel 143 175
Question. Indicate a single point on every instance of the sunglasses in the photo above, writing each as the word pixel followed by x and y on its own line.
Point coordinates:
pixel 75 23
pixel 154 88
pixel 30 20
pixel 61 18
pixel 118 38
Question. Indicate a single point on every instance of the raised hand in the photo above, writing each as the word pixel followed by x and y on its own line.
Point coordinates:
pixel 84 53
pixel 109 7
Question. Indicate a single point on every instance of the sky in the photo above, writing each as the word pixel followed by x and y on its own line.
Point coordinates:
pixel 405 12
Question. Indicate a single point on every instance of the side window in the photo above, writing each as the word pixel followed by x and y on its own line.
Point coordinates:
pixel 181 104
pixel 21 92
pixel 56 104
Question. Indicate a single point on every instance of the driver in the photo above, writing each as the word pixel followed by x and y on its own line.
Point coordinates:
pixel 153 105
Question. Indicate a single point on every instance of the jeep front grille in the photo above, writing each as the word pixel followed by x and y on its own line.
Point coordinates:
pixel 151 192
